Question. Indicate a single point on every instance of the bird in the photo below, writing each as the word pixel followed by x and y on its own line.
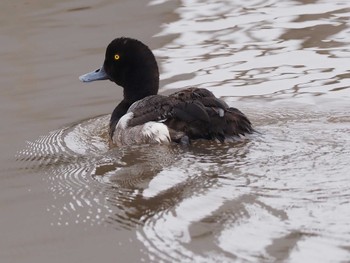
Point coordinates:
pixel 144 116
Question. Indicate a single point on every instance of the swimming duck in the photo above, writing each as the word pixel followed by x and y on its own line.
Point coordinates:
pixel 145 117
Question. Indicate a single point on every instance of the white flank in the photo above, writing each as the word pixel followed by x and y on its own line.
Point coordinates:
pixel 156 131
pixel 123 122
pixel 150 132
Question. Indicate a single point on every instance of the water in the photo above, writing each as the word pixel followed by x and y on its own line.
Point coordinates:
pixel 281 195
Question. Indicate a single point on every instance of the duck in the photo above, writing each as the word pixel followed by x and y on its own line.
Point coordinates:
pixel 144 116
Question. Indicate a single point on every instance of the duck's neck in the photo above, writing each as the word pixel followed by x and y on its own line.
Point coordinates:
pixel 118 112
pixel 140 87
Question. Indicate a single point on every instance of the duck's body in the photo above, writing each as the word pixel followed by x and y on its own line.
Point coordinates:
pixel 144 117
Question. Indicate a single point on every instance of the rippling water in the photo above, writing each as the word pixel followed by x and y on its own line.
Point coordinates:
pixel 280 195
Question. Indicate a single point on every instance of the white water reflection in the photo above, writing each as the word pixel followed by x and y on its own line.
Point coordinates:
pixel 245 48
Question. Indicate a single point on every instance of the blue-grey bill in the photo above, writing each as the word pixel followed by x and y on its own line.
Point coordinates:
pixel 98 74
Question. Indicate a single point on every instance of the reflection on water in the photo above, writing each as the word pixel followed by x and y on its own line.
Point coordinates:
pixel 280 195
pixel 274 48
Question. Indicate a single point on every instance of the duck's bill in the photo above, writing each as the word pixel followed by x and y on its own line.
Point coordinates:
pixel 98 74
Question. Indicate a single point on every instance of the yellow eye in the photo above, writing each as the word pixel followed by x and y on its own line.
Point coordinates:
pixel 116 57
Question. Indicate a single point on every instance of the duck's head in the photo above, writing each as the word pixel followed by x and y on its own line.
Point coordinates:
pixel 130 64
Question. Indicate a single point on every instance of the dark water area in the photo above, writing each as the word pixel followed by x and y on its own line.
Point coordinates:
pixel 280 195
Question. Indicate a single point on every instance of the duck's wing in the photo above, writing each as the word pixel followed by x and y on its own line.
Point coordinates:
pixel 232 123
pixel 193 112
pixel 151 108
pixel 204 96
pixel 160 108
pixel 223 120
pixel 237 122
pixel 178 116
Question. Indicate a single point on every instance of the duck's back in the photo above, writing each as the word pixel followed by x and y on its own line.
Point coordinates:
pixel 211 118
pixel 191 113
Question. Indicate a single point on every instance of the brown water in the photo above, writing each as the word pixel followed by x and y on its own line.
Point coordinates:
pixel 280 196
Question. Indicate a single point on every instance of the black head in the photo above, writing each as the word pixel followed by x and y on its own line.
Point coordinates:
pixel 130 64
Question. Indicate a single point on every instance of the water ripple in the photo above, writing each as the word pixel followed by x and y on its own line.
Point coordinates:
pixel 280 195
pixel 269 48
pixel 260 199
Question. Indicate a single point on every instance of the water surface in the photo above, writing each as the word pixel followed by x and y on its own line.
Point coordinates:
pixel 279 195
